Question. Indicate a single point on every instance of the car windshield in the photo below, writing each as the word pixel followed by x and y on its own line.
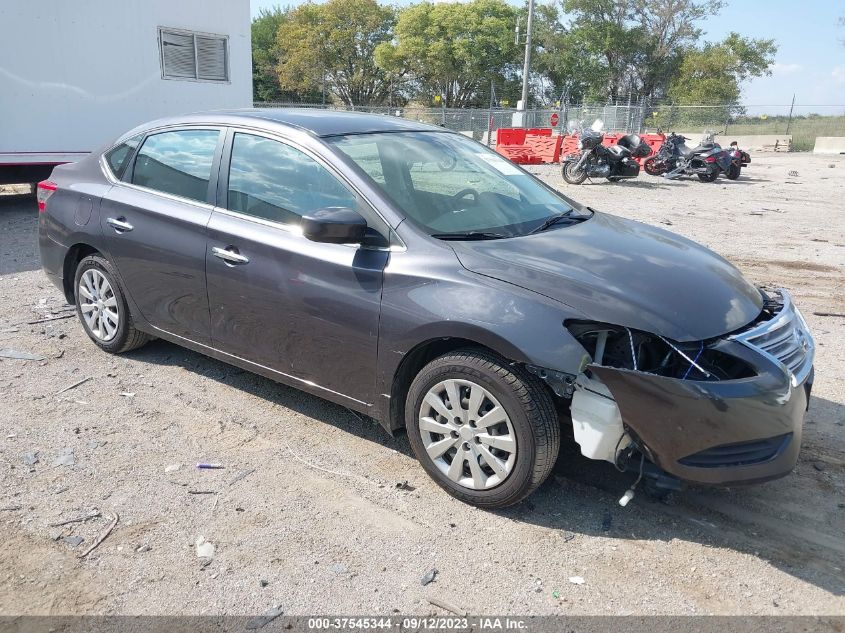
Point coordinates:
pixel 453 187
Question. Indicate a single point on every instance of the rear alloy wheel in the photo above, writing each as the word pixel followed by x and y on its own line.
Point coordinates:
pixel 486 431
pixel 102 309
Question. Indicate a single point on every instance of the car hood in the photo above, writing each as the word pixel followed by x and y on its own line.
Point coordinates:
pixel 626 273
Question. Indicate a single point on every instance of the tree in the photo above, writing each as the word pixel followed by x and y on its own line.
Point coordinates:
pixel 265 80
pixel 713 74
pixel 332 46
pixel 452 49
pixel 631 47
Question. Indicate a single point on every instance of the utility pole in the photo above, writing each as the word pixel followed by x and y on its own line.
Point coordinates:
pixel 789 122
pixel 526 69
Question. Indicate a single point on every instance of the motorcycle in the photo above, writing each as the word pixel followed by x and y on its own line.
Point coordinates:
pixel 596 160
pixel 740 159
pixel 707 160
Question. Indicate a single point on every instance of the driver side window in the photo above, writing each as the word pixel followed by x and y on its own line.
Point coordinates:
pixel 273 181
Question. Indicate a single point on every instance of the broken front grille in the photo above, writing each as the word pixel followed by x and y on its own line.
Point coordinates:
pixel 784 339
pixel 740 454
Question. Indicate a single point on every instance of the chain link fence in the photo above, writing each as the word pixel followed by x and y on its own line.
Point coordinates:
pixel 803 123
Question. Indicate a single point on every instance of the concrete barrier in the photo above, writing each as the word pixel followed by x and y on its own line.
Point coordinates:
pixel 748 142
pixel 829 145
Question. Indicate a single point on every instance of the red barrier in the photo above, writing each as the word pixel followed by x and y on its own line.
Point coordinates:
pixel 528 147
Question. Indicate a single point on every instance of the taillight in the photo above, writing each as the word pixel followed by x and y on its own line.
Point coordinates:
pixel 710 159
pixel 46 188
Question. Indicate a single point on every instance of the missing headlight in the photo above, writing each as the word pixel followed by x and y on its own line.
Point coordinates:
pixel 625 348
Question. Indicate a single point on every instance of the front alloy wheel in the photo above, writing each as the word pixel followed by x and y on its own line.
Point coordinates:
pixel 484 429
pixel 468 434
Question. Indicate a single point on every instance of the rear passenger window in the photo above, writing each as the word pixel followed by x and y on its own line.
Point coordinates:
pixel 271 180
pixel 177 162
pixel 118 157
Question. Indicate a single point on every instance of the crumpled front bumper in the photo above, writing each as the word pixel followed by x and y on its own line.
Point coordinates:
pixel 730 431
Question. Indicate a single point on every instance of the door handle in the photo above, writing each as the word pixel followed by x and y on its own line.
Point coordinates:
pixel 120 224
pixel 229 255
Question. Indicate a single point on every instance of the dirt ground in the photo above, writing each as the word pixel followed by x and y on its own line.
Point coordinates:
pixel 316 522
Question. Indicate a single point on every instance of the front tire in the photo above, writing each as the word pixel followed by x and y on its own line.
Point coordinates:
pixel 102 309
pixel 487 432
pixel 572 174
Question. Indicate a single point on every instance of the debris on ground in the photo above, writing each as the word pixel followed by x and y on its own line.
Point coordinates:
pixel 567 536
pixel 11 508
pixel 102 536
pixel 429 577
pixel 74 385
pixel 820 466
pixel 830 314
pixel 205 466
pixel 556 594
pixel 577 580
pixel 666 222
pixel 18 355
pixel 73 541
pixel 404 485
pixel 65 458
pixel 127 394
pixel 30 459
pixel 82 519
pixel 263 582
pixel 240 476
pixel 793 173
pixel 265 619
pixel 172 468
pixel 447 606
pixel 339 568
pixel 143 548
pixel 204 548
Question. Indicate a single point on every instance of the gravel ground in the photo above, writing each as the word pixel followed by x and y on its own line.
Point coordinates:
pixel 317 523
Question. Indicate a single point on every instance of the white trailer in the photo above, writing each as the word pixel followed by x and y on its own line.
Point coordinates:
pixel 75 74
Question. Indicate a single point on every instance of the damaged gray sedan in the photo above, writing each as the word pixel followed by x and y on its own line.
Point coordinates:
pixel 413 275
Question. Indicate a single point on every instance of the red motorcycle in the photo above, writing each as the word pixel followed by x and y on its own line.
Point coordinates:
pixel 739 159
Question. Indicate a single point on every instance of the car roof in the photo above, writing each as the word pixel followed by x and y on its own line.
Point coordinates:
pixel 318 122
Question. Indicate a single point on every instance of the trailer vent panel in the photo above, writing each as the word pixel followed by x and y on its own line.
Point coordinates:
pixel 193 56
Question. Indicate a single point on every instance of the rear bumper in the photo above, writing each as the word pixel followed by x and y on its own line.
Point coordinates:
pixel 52 255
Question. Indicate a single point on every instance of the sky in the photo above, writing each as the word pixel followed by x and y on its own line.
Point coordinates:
pixel 810 62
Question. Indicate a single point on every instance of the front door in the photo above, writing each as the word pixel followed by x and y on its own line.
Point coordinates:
pixel 155 229
pixel 305 309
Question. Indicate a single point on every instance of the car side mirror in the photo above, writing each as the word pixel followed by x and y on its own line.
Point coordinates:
pixel 334 225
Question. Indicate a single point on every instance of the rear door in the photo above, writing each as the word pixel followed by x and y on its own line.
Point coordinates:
pixel 307 310
pixel 155 220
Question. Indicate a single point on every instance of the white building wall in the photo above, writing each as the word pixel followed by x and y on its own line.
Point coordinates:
pixel 76 73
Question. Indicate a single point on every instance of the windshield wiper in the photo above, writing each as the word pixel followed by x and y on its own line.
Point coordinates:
pixel 470 235
pixel 554 219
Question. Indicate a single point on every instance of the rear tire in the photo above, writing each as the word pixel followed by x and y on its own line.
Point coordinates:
pixel 483 384
pixel 102 309
pixel 650 169
pixel 572 175
pixel 733 171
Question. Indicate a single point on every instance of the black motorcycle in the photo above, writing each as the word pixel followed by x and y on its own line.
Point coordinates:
pixel 596 160
pixel 707 160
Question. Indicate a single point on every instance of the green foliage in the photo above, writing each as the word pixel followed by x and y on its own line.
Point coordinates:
pixel 265 82
pixel 713 73
pixel 452 49
pixel 333 45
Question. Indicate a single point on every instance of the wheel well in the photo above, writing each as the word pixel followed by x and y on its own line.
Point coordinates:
pixel 75 254
pixel 413 362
